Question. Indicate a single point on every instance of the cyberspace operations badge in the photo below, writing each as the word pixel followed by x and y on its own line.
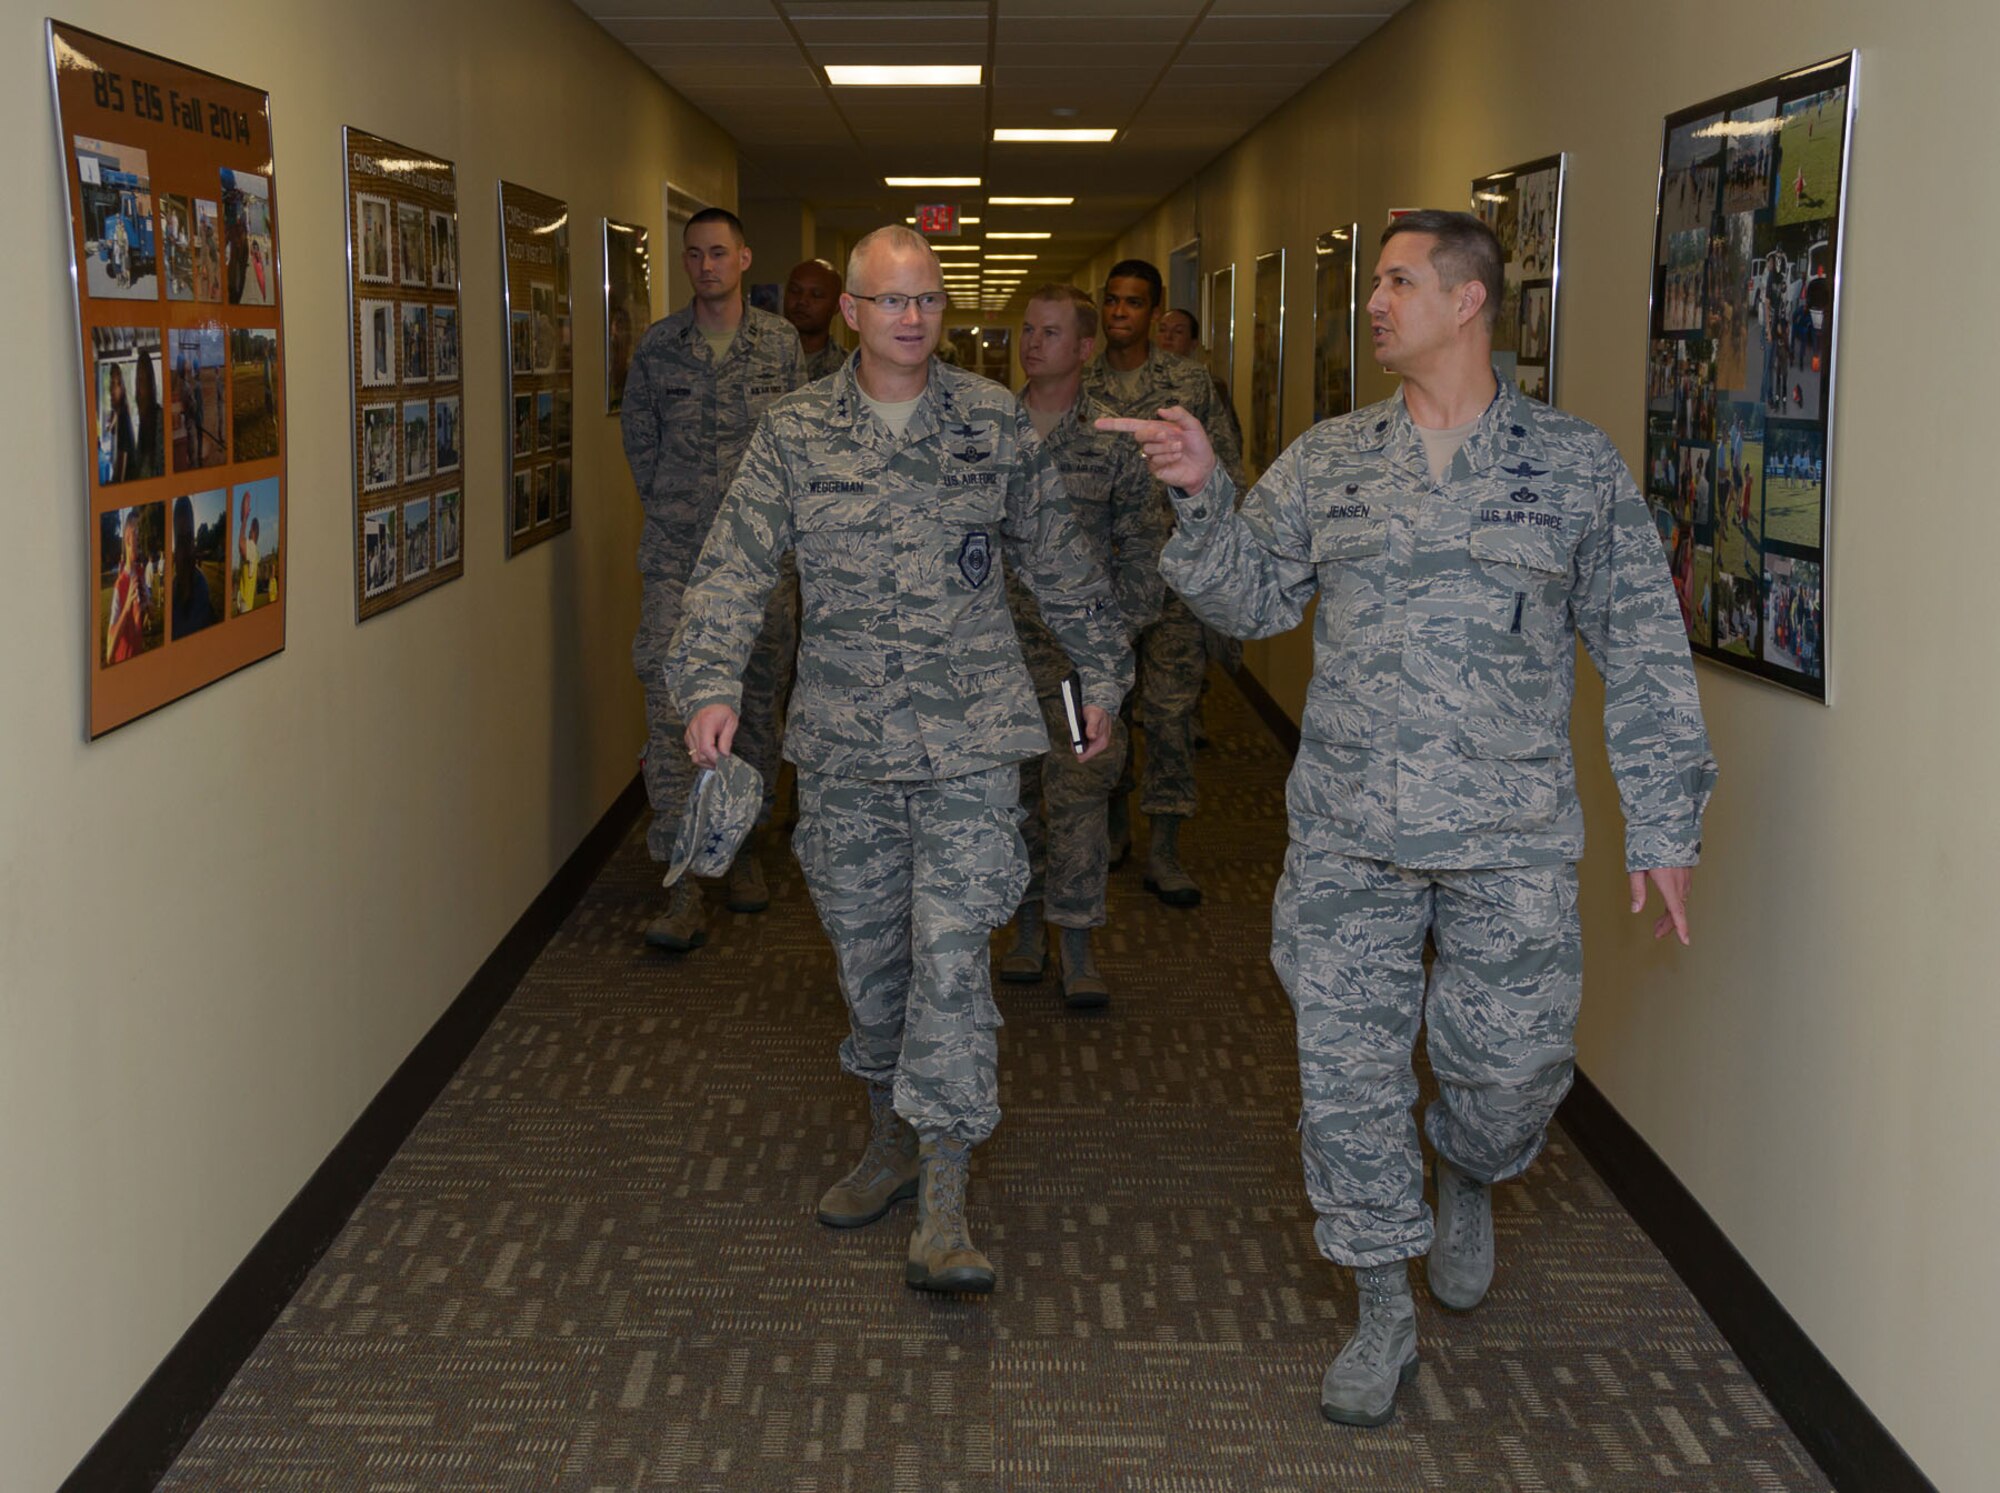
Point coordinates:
pixel 975 558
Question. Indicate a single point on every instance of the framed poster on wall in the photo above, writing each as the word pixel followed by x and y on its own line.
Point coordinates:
pixel 1740 367
pixel 1333 322
pixel 628 303
pixel 680 205
pixel 1523 207
pixel 1267 363
pixel 405 384
pixel 1221 324
pixel 172 193
pixel 534 278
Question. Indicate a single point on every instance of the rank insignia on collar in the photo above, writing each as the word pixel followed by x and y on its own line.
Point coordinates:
pixel 975 558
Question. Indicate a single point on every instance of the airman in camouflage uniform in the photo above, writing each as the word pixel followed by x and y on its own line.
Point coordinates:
pixel 812 296
pixel 1456 563
pixel 686 419
pixel 1173 658
pixel 903 485
pixel 1123 515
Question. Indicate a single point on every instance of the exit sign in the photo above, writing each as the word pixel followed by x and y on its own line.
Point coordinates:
pixel 938 218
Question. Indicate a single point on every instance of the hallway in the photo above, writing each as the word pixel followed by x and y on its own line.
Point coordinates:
pixel 594 1265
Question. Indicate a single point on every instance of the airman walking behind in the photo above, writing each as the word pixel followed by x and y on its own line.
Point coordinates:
pixel 1460 538
pixel 699 381
pixel 1118 506
pixel 1134 378
pixel 904 486
pixel 812 296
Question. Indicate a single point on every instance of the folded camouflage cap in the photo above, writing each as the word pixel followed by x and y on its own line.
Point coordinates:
pixel 720 810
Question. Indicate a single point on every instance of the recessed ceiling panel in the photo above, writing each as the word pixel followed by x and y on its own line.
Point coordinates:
pixel 1180 79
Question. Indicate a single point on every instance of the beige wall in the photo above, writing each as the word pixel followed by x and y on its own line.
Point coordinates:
pixel 221 928
pixel 1816 1066
pixel 781 231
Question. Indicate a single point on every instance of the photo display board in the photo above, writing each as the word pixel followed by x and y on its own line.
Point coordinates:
pixel 408 400
pixel 1333 322
pixel 173 214
pixel 1523 207
pixel 1740 367
pixel 1267 363
pixel 628 303
pixel 534 265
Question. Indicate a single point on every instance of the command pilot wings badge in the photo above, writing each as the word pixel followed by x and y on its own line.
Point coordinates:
pixel 971 436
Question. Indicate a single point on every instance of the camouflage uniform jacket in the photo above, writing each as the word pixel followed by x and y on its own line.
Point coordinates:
pixel 687 419
pixel 1436 730
pixel 829 359
pixel 909 668
pixel 1170 379
pixel 1120 509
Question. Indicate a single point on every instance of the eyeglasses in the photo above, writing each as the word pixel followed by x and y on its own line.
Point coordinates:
pixel 930 303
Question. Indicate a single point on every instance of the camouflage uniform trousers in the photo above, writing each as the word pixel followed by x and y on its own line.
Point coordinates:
pixel 909 879
pixel 1173 663
pixel 767 682
pixel 1347 940
pixel 1064 802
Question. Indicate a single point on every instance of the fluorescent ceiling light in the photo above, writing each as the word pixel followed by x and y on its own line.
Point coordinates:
pixel 930 181
pixel 955 248
pixel 991 257
pixel 858 75
pixel 964 219
pixel 1027 202
pixel 1038 234
pixel 1057 137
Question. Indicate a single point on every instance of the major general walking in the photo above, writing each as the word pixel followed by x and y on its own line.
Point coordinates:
pixel 1123 516
pixel 698 384
pixel 1460 538
pixel 1134 378
pixel 904 486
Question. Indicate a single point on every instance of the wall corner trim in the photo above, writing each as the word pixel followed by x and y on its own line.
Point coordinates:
pixel 139 1446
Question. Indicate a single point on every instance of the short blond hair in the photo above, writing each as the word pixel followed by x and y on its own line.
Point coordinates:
pixel 892 236
pixel 1079 301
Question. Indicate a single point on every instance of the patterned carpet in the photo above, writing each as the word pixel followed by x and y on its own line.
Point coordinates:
pixel 594 1266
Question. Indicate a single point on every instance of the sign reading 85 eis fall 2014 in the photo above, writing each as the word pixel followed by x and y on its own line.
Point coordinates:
pixel 173 213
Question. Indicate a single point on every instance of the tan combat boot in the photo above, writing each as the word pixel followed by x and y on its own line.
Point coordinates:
pixel 1024 963
pixel 1083 987
pixel 941 1254
pixel 684 925
pixel 886 1173
pixel 1360 1385
pixel 1164 877
pixel 745 890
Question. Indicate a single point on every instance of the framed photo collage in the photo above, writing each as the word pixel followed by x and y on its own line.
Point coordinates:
pixel 1740 367
pixel 173 216
pixel 407 385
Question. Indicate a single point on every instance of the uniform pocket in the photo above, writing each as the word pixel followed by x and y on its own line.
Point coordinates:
pixel 1511 550
pixel 994 855
pixel 829 666
pixel 1515 774
pixel 1349 539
